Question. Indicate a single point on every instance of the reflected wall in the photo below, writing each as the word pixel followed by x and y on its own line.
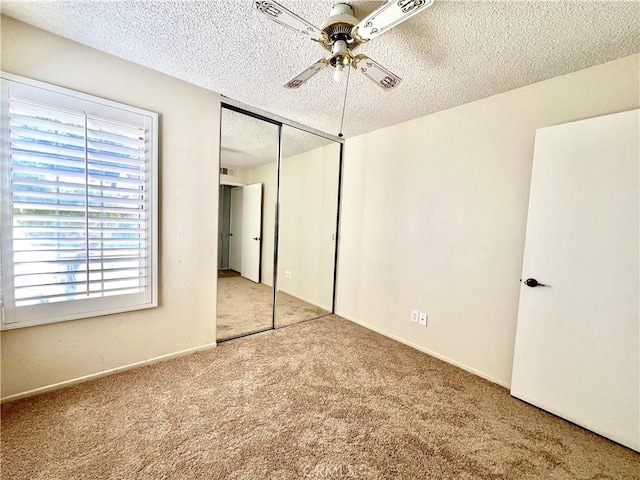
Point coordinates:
pixel 307 227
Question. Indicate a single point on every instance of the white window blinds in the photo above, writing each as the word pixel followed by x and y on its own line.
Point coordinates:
pixel 78 206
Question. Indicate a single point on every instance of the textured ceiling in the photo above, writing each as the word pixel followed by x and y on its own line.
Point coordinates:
pixel 452 53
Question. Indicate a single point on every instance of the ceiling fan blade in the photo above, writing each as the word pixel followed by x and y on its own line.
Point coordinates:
pixel 376 72
pixel 306 74
pixel 281 15
pixel 388 16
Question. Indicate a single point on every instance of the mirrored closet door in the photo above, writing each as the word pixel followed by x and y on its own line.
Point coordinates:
pixel 278 219
pixel 307 226
pixel 246 218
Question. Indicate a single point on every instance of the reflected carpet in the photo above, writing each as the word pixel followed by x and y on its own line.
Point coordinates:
pixel 246 307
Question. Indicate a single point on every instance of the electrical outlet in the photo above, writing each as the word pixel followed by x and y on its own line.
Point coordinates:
pixel 414 316
pixel 423 319
pixel 287 274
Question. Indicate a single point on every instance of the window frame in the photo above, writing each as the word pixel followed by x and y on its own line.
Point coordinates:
pixel 48 313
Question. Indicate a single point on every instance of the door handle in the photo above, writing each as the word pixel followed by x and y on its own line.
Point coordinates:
pixel 256 238
pixel 532 282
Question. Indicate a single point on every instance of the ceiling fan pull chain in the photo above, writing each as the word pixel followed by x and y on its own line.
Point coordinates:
pixel 344 105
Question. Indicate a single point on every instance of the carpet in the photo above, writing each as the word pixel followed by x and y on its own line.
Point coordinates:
pixel 246 307
pixel 225 273
pixel 318 400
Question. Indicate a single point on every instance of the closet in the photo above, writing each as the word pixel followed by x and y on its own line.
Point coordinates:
pixel 278 223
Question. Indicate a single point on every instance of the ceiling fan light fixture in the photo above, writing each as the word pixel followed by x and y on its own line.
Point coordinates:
pixel 338 74
pixel 340 48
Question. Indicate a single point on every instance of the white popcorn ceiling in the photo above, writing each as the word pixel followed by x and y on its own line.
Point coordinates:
pixel 452 53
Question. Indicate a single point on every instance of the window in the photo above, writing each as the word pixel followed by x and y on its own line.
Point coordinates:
pixel 78 205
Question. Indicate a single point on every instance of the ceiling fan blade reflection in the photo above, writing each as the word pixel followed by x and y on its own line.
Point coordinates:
pixel 306 74
pixel 376 72
pixel 388 16
pixel 281 15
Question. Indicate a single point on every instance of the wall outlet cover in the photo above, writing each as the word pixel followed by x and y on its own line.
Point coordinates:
pixel 414 316
pixel 423 319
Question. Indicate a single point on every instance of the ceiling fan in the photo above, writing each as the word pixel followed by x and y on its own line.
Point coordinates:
pixel 342 33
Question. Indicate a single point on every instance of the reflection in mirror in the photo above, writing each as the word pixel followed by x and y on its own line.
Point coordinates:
pixel 307 224
pixel 248 192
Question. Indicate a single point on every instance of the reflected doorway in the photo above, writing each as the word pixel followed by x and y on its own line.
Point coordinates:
pixel 239 240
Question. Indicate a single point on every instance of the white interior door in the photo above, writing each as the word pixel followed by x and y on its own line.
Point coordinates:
pixel 251 231
pixel 577 340
pixel 235 230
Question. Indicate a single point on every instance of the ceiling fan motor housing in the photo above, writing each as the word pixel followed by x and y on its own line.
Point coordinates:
pixel 338 28
pixel 339 25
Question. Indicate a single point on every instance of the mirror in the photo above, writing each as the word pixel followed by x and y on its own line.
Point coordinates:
pixel 264 191
pixel 307 226
pixel 248 194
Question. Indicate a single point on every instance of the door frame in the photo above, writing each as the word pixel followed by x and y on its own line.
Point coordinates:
pixel 234 191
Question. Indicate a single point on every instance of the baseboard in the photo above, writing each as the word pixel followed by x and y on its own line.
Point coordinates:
pixel 428 352
pixel 93 376
pixel 104 373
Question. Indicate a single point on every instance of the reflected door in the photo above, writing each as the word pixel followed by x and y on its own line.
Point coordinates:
pixel 251 231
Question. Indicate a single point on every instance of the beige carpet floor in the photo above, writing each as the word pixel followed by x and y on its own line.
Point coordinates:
pixel 321 399
pixel 246 307
pixel 224 273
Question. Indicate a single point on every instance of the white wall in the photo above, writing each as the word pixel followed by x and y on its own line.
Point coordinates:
pixel 42 356
pixel 241 177
pixel 434 215
pixel 308 214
